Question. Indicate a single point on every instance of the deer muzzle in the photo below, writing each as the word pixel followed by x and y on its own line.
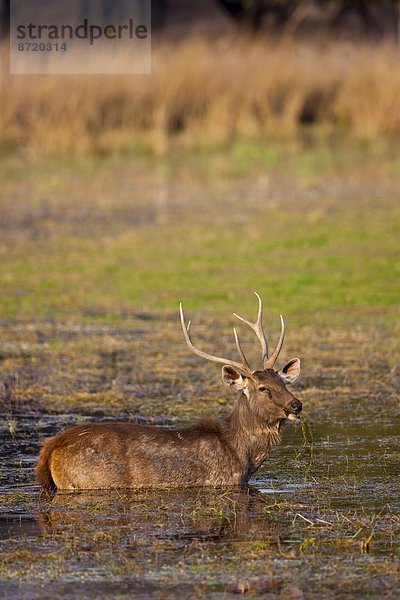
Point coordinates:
pixel 293 409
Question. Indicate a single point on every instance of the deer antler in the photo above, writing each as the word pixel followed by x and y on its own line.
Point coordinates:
pixel 271 361
pixel 244 367
pixel 257 327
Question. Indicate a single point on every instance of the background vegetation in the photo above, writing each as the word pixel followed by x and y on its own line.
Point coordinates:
pixel 207 94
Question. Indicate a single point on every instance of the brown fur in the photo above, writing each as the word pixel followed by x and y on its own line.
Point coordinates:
pixel 43 472
pixel 210 452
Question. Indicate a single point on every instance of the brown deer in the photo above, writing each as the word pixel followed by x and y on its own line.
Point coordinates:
pixel 208 453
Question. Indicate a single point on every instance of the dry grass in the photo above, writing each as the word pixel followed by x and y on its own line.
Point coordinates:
pixel 205 93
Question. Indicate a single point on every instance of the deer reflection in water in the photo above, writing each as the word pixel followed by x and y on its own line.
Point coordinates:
pixel 147 515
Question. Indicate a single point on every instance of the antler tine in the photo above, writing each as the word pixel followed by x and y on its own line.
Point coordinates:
pixel 271 361
pixel 225 361
pixel 257 327
pixel 240 350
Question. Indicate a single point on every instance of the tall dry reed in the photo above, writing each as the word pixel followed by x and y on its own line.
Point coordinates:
pixel 203 93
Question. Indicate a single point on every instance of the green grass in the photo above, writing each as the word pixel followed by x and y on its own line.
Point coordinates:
pixel 116 237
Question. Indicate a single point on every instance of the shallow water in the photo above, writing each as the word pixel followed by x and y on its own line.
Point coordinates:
pixel 320 518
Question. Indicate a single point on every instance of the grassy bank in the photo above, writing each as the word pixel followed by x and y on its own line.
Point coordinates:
pixel 109 238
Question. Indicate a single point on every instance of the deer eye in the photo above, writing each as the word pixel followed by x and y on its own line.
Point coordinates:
pixel 265 391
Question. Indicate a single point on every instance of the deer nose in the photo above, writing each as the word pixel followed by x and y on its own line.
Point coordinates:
pixel 296 406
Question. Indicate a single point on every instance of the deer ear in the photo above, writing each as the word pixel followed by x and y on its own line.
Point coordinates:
pixel 233 378
pixel 290 372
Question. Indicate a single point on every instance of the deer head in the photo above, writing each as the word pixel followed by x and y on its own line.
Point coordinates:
pixel 268 398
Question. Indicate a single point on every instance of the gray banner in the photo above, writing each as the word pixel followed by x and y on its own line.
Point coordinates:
pixel 80 37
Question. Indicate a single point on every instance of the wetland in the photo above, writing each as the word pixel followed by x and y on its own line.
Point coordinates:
pixel 94 260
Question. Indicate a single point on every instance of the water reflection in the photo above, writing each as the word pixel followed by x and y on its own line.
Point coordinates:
pixel 25 526
pixel 335 493
pixel 178 516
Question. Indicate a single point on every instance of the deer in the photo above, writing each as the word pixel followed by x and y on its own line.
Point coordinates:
pixel 211 452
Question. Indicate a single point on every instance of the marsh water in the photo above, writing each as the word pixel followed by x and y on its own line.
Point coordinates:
pixel 319 519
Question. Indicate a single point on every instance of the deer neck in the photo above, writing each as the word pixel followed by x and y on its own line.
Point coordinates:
pixel 249 436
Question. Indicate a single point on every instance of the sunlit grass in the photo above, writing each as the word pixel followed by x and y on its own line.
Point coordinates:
pixel 106 253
